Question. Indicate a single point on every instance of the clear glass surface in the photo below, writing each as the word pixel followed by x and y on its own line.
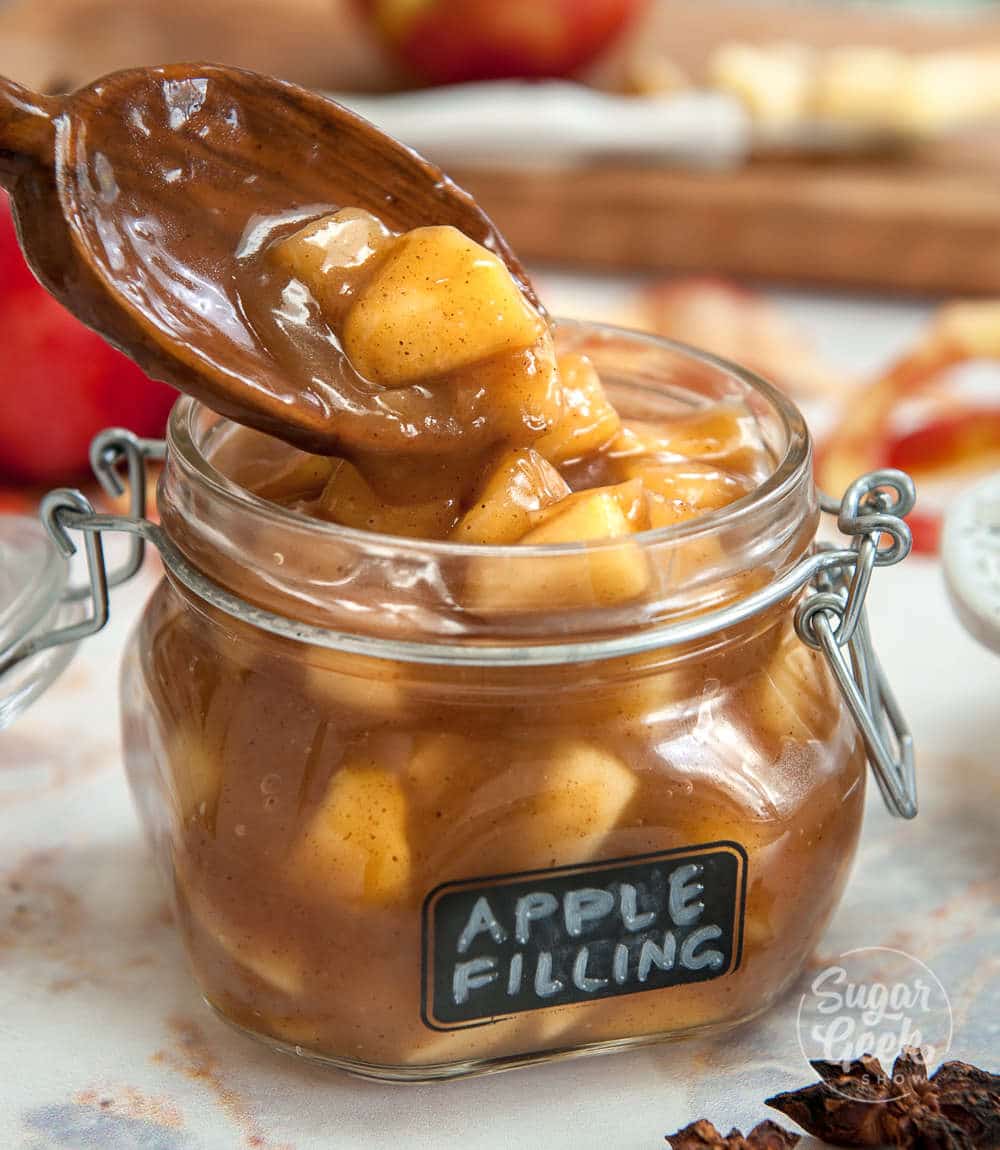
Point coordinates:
pixel 33 577
pixel 307 803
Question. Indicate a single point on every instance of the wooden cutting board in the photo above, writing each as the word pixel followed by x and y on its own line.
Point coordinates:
pixel 926 221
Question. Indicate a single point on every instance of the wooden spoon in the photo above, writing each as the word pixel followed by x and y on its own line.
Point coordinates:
pixel 132 197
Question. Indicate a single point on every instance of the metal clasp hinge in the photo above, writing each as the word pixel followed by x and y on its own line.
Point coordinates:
pixel 832 619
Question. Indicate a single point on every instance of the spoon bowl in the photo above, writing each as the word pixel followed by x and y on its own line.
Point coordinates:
pixel 133 196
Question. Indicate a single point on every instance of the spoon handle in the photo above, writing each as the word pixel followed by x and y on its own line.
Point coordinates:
pixel 26 131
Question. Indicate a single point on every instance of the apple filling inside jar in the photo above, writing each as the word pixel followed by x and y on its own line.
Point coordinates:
pixel 320 797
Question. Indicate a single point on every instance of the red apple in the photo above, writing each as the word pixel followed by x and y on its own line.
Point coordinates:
pixel 453 41
pixel 60 383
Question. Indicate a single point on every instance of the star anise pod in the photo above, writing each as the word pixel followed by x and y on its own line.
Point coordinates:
pixel 702 1135
pixel 957 1108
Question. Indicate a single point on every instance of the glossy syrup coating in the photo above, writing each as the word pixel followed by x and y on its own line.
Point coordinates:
pixel 433 311
pixel 139 196
pixel 308 801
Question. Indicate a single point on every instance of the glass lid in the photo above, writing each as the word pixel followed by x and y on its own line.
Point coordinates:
pixel 33 580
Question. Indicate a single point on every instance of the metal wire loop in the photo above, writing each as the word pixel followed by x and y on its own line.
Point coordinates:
pixel 888 491
pixel 874 709
pixel 109 450
pixel 832 619
pixel 829 604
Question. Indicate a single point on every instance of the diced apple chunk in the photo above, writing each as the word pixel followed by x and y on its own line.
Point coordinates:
pixel 589 515
pixel 588 578
pixel 433 764
pixel 276 965
pixel 521 483
pixel 682 490
pixel 603 576
pixel 537 1030
pixel 699 485
pixel 588 423
pixel 196 772
pixel 521 391
pixel 298 475
pixel 583 793
pixel 332 254
pixel 723 433
pixel 355 846
pixel 349 499
pixel 668 512
pixel 437 303
pixel 267 466
pixel 630 497
pixel 270 963
pixel 356 682
pixel 445 768
pixel 556 803
pixel 795 697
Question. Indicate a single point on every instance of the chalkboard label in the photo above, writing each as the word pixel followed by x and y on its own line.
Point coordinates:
pixel 510 943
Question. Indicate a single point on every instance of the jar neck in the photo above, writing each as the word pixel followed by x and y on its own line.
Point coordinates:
pixel 412 590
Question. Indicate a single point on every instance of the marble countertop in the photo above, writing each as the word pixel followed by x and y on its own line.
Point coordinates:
pixel 105 1042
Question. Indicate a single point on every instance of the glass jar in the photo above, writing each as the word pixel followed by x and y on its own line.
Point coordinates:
pixel 432 809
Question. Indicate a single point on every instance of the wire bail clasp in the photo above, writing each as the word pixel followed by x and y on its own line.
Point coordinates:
pixel 833 619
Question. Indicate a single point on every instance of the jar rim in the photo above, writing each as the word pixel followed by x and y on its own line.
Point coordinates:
pixel 785 476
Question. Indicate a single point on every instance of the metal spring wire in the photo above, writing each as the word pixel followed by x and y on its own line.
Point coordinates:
pixel 834 618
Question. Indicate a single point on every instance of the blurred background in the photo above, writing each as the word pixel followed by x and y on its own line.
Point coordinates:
pixel 812 189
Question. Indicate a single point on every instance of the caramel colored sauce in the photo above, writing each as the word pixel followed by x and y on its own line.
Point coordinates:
pixel 135 195
pixel 508 430
pixel 392 372
pixel 316 798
